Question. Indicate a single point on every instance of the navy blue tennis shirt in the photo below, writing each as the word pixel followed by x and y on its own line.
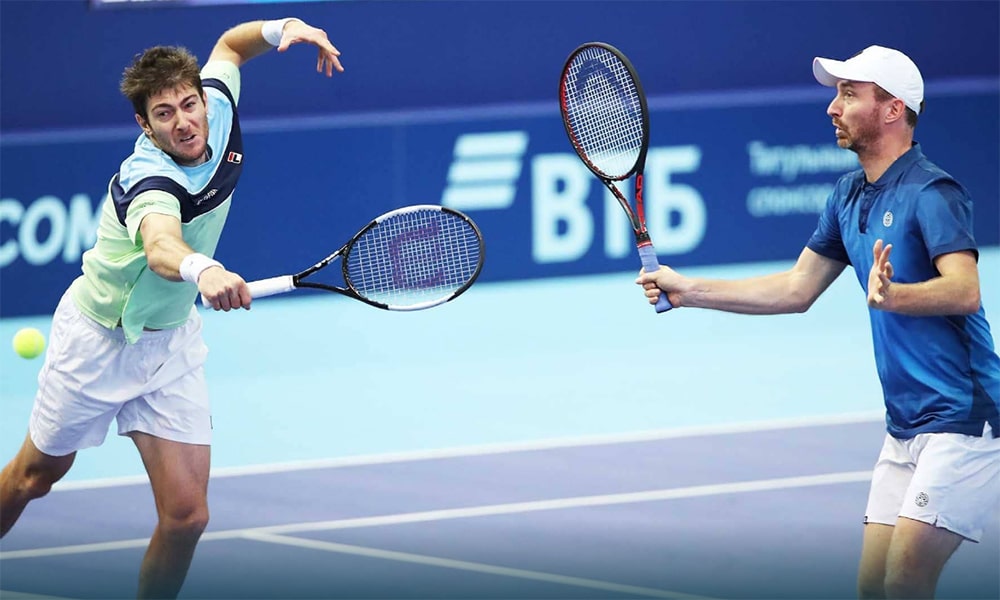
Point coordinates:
pixel 938 373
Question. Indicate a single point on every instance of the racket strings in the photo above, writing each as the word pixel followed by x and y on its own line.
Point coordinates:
pixel 604 111
pixel 414 258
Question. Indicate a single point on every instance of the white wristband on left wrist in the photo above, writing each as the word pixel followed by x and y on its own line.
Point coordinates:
pixel 193 264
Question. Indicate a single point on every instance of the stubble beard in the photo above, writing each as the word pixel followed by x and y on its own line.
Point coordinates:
pixel 861 137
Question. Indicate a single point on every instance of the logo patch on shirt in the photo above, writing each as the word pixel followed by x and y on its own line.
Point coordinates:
pixel 235 158
pixel 887 219
pixel 206 196
pixel 922 499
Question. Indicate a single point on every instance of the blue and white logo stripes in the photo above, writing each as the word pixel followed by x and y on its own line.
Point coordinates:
pixel 485 170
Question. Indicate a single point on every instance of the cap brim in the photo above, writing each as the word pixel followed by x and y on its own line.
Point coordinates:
pixel 829 71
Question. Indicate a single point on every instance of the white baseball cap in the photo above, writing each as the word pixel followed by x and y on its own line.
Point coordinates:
pixel 890 69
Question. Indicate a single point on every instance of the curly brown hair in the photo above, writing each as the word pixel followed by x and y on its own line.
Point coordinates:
pixel 156 69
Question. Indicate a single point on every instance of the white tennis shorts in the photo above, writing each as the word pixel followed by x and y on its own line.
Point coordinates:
pixel 948 480
pixel 91 376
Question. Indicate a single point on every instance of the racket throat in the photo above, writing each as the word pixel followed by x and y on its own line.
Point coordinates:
pixel 640 204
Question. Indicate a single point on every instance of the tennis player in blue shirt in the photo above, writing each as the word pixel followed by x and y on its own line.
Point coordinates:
pixel 906 228
pixel 126 341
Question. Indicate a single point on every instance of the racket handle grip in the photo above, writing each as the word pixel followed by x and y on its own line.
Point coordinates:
pixel 650 264
pixel 263 287
pixel 271 286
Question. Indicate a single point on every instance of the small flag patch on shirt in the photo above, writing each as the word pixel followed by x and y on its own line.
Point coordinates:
pixel 235 158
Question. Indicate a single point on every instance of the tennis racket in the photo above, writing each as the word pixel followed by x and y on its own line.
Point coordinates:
pixel 410 258
pixel 604 111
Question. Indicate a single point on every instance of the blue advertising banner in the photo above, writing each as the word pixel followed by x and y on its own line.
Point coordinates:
pixel 730 178
pixel 410 54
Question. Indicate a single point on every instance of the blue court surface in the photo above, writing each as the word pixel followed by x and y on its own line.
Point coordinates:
pixel 542 439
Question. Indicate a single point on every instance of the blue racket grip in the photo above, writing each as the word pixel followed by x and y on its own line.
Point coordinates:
pixel 650 264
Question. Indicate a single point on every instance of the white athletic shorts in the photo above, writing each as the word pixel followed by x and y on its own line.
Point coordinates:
pixel 91 376
pixel 948 480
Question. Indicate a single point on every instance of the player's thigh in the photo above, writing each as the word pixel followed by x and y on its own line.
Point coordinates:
pixel 174 404
pixel 919 551
pixel 891 477
pixel 179 412
pixel 178 473
pixel 874 550
pixel 81 384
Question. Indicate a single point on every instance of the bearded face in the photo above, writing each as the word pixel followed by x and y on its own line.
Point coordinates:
pixel 857 115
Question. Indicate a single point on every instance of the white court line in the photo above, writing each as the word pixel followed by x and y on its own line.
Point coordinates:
pixel 488 449
pixel 478 511
pixel 463 565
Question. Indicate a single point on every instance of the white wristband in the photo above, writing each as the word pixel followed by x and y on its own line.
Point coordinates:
pixel 193 264
pixel 271 30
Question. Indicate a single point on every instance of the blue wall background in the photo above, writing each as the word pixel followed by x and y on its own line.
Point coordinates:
pixel 742 155
pixel 420 54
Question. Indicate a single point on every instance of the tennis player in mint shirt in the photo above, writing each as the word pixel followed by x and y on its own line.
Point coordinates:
pixel 125 344
pixel 905 226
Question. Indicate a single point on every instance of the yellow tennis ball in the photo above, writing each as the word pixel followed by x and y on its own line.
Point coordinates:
pixel 29 342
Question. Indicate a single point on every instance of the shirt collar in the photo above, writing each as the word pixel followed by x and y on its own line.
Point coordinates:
pixel 901 164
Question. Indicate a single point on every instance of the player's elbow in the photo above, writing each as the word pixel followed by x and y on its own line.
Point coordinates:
pixel 800 302
pixel 801 288
pixel 964 297
pixel 799 307
pixel 970 303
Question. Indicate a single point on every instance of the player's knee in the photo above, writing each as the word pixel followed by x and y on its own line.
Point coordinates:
pixel 185 522
pixel 35 483
pixel 903 583
pixel 903 589
pixel 870 589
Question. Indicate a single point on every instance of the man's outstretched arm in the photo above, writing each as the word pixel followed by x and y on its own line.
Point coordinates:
pixel 248 40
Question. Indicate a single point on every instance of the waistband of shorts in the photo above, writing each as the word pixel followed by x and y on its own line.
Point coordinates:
pixel 146 329
pixel 116 333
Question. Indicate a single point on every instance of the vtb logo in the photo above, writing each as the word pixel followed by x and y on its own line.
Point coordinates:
pixel 565 223
pixel 485 170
